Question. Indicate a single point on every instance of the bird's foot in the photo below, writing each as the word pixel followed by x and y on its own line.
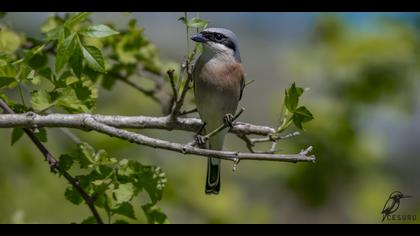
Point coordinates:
pixel 228 120
pixel 200 140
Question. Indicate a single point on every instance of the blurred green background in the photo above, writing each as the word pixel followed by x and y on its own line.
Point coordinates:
pixel 363 73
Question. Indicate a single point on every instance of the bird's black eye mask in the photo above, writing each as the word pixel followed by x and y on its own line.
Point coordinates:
pixel 219 38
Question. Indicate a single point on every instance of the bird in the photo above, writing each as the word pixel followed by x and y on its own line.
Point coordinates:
pixel 218 78
pixel 392 204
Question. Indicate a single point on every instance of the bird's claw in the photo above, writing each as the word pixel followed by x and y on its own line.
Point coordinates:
pixel 200 139
pixel 228 120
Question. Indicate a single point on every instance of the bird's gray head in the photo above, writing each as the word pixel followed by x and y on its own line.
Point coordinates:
pixel 219 40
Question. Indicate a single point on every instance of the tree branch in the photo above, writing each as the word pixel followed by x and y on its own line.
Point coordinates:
pixel 111 125
pixel 30 120
pixel 93 124
pixel 54 166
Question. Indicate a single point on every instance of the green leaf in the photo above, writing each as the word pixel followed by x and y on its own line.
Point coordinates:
pixel 9 41
pixel 2 14
pixel 89 220
pixel 54 34
pixel 6 81
pixel 302 115
pixel 41 134
pixel 41 100
pixel 85 155
pixel 99 31
pixel 69 101
pixel 292 97
pixel 37 61
pixel 76 18
pixel 46 73
pixel 94 58
pixel 150 178
pixel 51 23
pixel 17 133
pixel 125 209
pixel 8 73
pixel 65 162
pixel 73 196
pixel 65 50
pixel 197 23
pixel 76 61
pixel 154 214
pixel 183 20
pixel 123 193
pixel 108 81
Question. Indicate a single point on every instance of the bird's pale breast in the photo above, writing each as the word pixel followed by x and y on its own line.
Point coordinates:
pixel 217 87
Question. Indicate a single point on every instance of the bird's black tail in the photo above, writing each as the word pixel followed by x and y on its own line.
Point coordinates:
pixel 213 176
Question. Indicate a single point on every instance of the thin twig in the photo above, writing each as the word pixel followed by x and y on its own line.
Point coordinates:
pixel 172 79
pixel 250 145
pixel 54 166
pixel 180 102
pixel 183 113
pixel 151 93
pixel 274 137
pixel 93 124
pixel 247 141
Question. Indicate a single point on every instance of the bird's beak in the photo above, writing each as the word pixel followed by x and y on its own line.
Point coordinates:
pixel 406 196
pixel 199 38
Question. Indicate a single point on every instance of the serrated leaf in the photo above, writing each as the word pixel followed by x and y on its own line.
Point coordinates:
pixel 41 100
pixel 76 18
pixel 197 23
pixel 85 155
pixel 65 50
pixel 102 158
pixel 65 162
pixel 17 133
pixel 73 196
pixel 99 31
pixel 69 101
pixel 94 58
pixel 150 178
pixel 302 115
pixel 123 193
pixel 125 209
pixel 154 214
pixel 102 171
pixel 292 97
pixel 76 61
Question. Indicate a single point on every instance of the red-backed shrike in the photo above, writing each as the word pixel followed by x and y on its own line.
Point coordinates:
pixel 218 85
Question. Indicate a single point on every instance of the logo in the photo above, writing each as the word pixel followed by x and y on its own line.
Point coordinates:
pixel 392 205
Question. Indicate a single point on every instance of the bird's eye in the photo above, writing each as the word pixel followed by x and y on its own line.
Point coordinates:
pixel 218 37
